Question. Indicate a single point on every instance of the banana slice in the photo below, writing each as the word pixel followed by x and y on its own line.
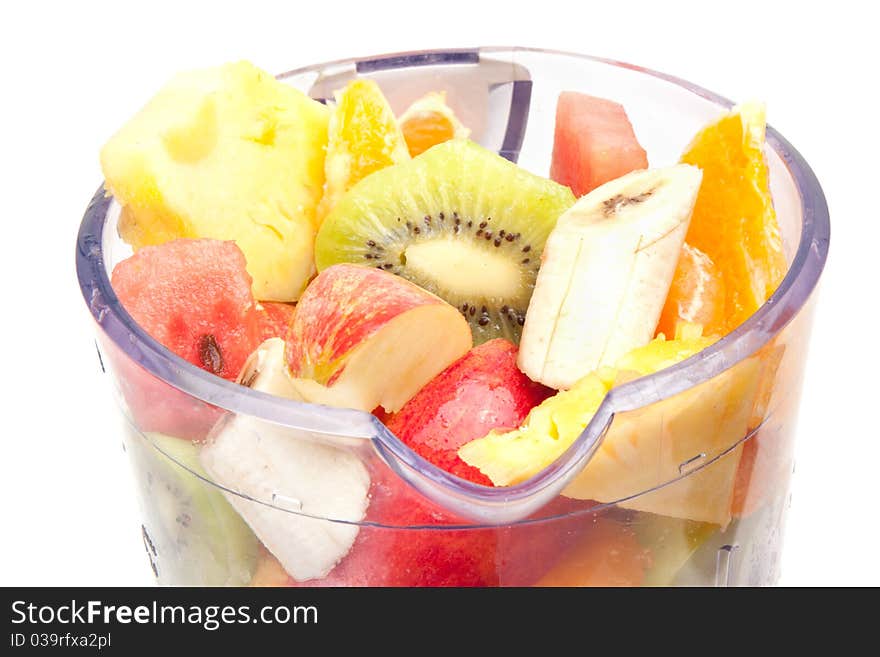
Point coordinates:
pixel 276 465
pixel 605 273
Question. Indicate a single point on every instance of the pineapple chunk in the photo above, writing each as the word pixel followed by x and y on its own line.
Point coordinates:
pixel 643 448
pixel 227 153
pixel 550 429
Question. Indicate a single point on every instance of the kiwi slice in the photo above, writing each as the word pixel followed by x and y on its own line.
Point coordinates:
pixel 459 221
pixel 192 535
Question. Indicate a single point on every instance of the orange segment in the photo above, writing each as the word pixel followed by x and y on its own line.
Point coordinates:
pixel 426 130
pixel 363 137
pixel 734 223
pixel 430 121
pixel 610 555
pixel 696 295
pixel 269 572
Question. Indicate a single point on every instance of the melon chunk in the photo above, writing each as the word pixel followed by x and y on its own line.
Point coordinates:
pixel 594 142
pixel 194 297
pixel 227 153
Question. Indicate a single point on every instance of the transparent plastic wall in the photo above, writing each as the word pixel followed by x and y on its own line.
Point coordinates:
pixel 681 478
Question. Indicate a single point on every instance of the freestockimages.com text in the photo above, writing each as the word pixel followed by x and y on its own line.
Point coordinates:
pixel 210 617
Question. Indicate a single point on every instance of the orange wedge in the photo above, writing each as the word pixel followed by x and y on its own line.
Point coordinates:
pixel 269 572
pixel 363 137
pixel 610 555
pixel 430 121
pixel 734 223
pixel 696 295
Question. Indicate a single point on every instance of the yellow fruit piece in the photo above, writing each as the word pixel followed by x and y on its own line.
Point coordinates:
pixel 642 448
pixel 659 443
pixel 363 137
pixel 661 353
pixel 430 121
pixel 269 572
pixel 511 457
pixel 734 222
pixel 551 428
pixel 226 153
pixel 671 543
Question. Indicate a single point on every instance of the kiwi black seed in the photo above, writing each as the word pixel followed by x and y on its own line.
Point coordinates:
pixel 458 220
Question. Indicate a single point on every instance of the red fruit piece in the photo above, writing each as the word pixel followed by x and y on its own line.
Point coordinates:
pixel 608 555
pixel 156 406
pixel 194 297
pixel 594 142
pixel 275 319
pixel 517 555
pixel 526 551
pixel 384 556
pixel 481 391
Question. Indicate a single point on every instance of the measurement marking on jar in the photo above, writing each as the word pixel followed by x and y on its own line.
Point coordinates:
pixel 684 466
pixel 723 561
pixel 100 359
pixel 289 503
pixel 151 550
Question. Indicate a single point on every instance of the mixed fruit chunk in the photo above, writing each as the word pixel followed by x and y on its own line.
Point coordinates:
pixel 430 121
pixel 344 256
pixel 363 137
pixel 227 153
pixel 734 222
pixel 481 391
pixel 459 221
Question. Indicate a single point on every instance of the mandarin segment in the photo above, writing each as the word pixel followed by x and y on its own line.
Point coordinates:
pixel 734 222
pixel 696 295
pixel 363 137
pixel 430 121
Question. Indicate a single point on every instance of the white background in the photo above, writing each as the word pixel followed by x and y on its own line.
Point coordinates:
pixel 73 72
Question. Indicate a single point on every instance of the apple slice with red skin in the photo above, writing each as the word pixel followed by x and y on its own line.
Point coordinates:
pixel 481 391
pixel 275 318
pixel 363 338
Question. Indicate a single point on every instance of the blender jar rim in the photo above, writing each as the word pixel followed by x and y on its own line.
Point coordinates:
pixel 353 427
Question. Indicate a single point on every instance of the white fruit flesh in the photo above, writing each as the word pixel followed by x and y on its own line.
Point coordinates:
pixel 276 465
pixel 394 363
pixel 466 270
pixel 605 274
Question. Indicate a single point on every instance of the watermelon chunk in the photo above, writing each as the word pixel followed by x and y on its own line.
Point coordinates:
pixel 154 406
pixel 594 142
pixel 193 296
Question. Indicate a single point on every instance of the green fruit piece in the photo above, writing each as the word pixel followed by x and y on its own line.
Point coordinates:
pixel 746 553
pixel 192 534
pixel 672 542
pixel 459 221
